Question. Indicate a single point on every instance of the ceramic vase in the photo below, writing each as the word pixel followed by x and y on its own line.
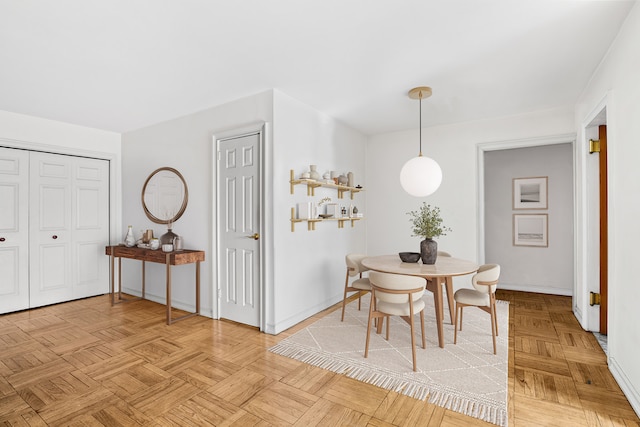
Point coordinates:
pixel 167 238
pixel 129 240
pixel 428 251
pixel 313 173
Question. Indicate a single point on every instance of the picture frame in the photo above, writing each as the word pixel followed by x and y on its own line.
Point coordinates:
pixel 530 193
pixel 531 230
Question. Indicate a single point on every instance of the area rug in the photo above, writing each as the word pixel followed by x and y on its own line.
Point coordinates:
pixel 466 377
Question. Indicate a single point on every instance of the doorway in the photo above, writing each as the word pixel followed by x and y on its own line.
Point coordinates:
pixel 239 219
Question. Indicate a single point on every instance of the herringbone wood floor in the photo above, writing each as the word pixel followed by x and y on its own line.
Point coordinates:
pixel 86 363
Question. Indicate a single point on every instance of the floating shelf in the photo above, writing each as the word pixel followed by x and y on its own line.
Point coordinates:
pixel 313 184
pixel 311 223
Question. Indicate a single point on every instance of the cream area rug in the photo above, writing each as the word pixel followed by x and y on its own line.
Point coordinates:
pixel 466 377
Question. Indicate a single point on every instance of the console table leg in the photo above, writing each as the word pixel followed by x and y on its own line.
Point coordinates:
pixel 143 277
pixel 113 278
pixel 197 287
pixel 168 290
pixel 119 278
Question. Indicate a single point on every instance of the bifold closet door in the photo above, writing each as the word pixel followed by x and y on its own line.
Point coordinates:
pixel 14 230
pixel 69 228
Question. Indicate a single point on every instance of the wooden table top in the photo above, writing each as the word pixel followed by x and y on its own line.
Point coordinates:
pixel 444 266
pixel 186 256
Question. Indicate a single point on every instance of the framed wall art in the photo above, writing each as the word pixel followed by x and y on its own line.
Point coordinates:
pixel 530 230
pixel 530 193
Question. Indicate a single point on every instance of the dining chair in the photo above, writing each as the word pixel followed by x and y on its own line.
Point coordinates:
pixel 396 295
pixel 361 284
pixel 448 287
pixel 483 296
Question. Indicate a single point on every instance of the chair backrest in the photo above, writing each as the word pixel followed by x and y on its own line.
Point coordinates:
pixel 354 264
pixel 486 273
pixel 443 253
pixel 396 282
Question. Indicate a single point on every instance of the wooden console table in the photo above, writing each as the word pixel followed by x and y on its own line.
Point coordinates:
pixel 186 256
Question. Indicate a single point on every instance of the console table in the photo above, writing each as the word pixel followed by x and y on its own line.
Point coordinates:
pixel 186 256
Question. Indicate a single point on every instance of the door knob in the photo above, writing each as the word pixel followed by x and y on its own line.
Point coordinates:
pixel 254 236
pixel 54 237
pixel 2 239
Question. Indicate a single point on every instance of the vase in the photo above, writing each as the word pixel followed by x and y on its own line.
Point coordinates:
pixel 167 238
pixel 428 251
pixel 313 173
pixel 129 240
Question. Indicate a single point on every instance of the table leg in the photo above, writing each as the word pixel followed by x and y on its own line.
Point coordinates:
pixel 168 289
pixel 448 281
pixel 435 285
pixel 113 278
pixel 119 279
pixel 197 287
pixel 143 277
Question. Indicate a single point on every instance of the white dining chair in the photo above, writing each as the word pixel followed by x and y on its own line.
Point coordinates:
pixel 485 282
pixel 360 285
pixel 396 295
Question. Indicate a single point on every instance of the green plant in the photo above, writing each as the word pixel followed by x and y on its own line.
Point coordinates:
pixel 427 222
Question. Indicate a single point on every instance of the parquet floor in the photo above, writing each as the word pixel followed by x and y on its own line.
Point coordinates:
pixel 86 363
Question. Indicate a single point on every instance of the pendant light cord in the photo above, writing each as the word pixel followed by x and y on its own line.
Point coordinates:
pixel 420 96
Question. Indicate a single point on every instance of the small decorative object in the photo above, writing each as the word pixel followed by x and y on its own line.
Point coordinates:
pixel 358 186
pixel 355 210
pixel 350 179
pixel 154 244
pixel 326 176
pixel 167 238
pixel 147 236
pixel 333 174
pixel 409 256
pixel 177 243
pixel 305 175
pixel 343 180
pixel 313 173
pixel 167 247
pixel 325 216
pixel 129 240
pixel 427 223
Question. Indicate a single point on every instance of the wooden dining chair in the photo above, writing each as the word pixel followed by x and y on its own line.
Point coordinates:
pixel 360 285
pixel 483 296
pixel 396 295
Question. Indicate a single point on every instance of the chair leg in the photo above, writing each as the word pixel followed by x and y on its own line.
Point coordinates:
pixel 448 282
pixel 424 342
pixel 344 298
pixel 413 338
pixel 495 313
pixel 366 346
pixel 494 325
pixel 455 325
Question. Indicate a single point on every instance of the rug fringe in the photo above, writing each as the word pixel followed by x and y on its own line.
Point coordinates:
pixel 445 399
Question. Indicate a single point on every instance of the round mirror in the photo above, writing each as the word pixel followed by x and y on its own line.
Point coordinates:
pixel 165 196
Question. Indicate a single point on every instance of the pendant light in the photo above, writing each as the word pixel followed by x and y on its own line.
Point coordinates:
pixel 420 176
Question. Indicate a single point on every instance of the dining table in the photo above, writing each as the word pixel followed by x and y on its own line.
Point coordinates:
pixel 438 274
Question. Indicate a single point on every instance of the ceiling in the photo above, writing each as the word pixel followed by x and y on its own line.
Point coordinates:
pixel 121 65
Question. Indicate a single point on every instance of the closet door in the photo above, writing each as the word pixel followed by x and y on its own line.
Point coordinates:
pixel 14 230
pixel 68 228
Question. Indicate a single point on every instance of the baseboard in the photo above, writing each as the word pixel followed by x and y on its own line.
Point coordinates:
pixel 625 384
pixel 537 289
pixel 275 329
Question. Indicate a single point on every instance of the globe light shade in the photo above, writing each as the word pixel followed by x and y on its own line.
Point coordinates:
pixel 421 176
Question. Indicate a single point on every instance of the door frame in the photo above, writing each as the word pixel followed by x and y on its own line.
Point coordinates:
pixel 266 185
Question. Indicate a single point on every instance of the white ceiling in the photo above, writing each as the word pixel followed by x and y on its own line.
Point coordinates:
pixel 121 65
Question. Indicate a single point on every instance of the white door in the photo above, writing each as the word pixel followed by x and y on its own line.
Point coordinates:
pixel 14 230
pixel 238 224
pixel 68 228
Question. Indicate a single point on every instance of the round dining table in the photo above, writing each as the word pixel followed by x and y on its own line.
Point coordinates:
pixel 438 274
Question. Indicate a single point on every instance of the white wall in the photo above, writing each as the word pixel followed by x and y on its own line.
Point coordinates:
pixel 309 265
pixel 617 82
pixel 532 269
pixel 454 147
pixel 307 275
pixel 185 144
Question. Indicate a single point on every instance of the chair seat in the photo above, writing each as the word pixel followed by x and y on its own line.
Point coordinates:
pixel 363 284
pixel 472 297
pixel 400 309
